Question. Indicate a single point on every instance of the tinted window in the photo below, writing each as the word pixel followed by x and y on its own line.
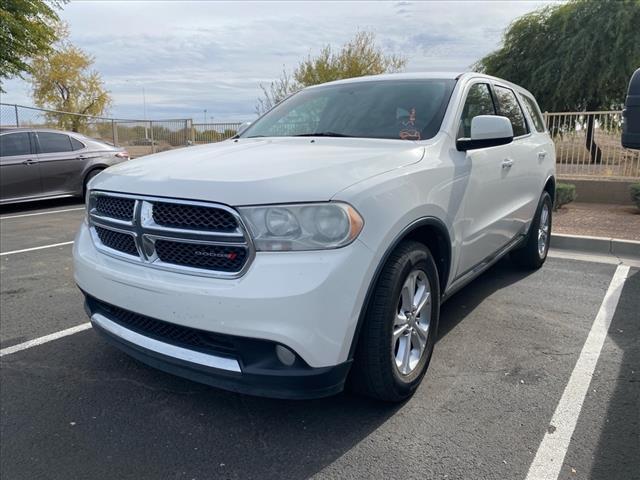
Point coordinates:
pixel 479 102
pixel 508 106
pixel 76 144
pixel 53 142
pixel 14 144
pixel 534 112
pixel 399 109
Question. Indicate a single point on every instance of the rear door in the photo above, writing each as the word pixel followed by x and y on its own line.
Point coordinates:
pixel 62 162
pixel 524 173
pixel 19 169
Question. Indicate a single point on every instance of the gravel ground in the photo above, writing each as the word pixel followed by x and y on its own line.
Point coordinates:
pixel 598 220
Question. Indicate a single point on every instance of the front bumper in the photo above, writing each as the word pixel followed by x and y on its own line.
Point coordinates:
pixel 307 301
pixel 263 378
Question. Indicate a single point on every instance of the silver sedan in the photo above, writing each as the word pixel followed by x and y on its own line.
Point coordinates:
pixel 38 164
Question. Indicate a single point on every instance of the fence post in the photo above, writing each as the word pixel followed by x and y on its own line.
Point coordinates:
pixel 153 144
pixel 187 134
pixel 114 132
pixel 17 120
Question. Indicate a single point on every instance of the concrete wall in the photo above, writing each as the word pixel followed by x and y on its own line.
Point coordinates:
pixel 599 190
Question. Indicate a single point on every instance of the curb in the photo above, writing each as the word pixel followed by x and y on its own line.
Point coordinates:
pixel 602 245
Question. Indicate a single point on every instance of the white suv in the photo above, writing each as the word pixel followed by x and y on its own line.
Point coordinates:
pixel 315 248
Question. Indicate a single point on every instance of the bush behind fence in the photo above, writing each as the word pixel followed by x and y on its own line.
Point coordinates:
pixel 587 143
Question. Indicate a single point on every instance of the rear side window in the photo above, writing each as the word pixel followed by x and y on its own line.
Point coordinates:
pixel 510 108
pixel 479 102
pixel 534 112
pixel 76 144
pixel 54 142
pixel 15 144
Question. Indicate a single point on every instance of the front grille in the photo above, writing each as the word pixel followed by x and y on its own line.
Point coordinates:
pixel 196 255
pixel 188 237
pixel 122 242
pixel 115 207
pixel 197 217
pixel 168 332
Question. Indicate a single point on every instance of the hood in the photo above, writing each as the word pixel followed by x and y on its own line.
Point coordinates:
pixel 260 171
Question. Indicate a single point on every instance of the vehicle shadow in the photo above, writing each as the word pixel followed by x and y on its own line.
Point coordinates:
pixel 617 455
pixel 463 303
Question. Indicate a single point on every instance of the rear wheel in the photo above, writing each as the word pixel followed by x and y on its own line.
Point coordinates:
pixel 534 252
pixel 400 328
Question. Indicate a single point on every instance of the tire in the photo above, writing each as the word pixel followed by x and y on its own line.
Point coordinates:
pixel 88 178
pixel 380 369
pixel 534 252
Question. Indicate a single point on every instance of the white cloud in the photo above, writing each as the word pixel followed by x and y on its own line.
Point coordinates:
pixel 191 56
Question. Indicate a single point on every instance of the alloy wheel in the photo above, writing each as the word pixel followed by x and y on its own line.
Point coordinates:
pixel 411 325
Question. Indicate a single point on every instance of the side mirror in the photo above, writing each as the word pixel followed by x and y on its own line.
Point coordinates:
pixel 487 131
pixel 243 127
pixel 631 114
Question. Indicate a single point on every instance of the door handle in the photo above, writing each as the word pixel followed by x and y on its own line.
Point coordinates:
pixel 542 155
pixel 81 157
pixel 29 162
pixel 507 163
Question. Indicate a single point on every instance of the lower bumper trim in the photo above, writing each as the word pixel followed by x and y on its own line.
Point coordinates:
pixel 191 356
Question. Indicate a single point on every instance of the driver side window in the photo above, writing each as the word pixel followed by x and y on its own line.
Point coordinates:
pixel 479 102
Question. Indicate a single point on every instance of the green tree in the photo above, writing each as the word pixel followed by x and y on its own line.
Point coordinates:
pixel 27 29
pixel 62 80
pixel 576 56
pixel 360 56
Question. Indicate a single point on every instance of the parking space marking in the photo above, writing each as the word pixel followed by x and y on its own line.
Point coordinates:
pixel 41 213
pixel 550 456
pixel 35 248
pixel 47 338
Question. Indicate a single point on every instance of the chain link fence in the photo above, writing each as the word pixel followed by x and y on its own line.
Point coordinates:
pixel 139 137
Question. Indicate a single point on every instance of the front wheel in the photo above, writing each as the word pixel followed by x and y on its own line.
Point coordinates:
pixel 534 252
pixel 400 327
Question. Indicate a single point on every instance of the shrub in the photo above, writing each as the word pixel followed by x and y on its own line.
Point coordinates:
pixel 635 193
pixel 565 193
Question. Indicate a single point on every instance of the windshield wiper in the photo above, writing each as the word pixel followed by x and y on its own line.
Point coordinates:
pixel 322 134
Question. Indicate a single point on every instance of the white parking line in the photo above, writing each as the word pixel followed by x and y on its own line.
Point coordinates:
pixel 548 460
pixel 41 213
pixel 47 338
pixel 35 248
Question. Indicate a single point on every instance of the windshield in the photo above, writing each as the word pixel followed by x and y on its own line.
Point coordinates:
pixel 394 109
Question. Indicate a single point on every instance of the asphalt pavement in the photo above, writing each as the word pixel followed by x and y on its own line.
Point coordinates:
pixel 509 344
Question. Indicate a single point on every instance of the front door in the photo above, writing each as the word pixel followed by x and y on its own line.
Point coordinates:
pixel 488 223
pixel 19 169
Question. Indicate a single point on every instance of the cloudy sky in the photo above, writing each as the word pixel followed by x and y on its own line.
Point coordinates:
pixel 192 56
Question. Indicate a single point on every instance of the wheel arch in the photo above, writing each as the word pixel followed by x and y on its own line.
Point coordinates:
pixel 430 231
pixel 94 168
pixel 550 187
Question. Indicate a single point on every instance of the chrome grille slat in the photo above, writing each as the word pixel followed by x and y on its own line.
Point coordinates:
pixel 191 246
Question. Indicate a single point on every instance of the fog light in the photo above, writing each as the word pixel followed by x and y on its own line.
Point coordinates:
pixel 286 356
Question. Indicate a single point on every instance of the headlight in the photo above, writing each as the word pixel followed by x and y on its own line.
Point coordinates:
pixel 87 205
pixel 311 226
